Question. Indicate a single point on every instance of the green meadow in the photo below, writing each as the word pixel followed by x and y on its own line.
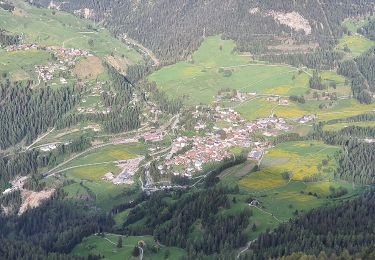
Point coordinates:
pixel 87 178
pixel 110 153
pixel 200 79
pixel 20 64
pixel 69 31
pixel 260 107
pixel 107 247
pixel 282 198
pixel 357 44
pixel 88 182
pixel 340 109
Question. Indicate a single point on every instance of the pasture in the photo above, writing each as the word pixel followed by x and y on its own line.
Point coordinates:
pixel 92 173
pixel 90 101
pixel 215 66
pixel 88 185
pixel 301 160
pixel 280 197
pixel 87 172
pixel 69 31
pixel 107 247
pixel 20 64
pixel 341 109
pixel 259 107
pixel 89 68
pixel 357 44
pixel 109 153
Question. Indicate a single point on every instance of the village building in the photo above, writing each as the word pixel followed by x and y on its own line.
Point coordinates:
pixel 307 118
pixel 48 147
pixel 153 136
pixel 255 155
pixel 108 176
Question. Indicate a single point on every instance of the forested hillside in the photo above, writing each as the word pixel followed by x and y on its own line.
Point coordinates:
pixel 25 113
pixel 252 24
pixel 56 226
pixel 332 230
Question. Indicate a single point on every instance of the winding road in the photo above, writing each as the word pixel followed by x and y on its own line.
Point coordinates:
pixel 246 248
pixel 147 51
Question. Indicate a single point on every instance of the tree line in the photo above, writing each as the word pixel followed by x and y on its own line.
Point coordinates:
pixel 368 30
pixel 7 38
pixel 320 59
pixel 356 157
pixel 360 72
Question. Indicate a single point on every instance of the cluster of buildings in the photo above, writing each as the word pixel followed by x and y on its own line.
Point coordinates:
pixel 228 115
pixel 269 126
pixel 215 145
pixel 277 99
pixel 94 127
pixel 98 107
pixel 154 136
pixel 52 146
pixel 46 72
pixel 129 168
pixel 48 147
pixel 17 184
pixel 212 147
pixel 66 57
pixel 234 96
pixel 307 118
pixel 92 110
pixel 97 90
pixel 21 47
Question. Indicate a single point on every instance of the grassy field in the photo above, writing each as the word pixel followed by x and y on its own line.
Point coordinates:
pixel 201 78
pixel 106 246
pixel 260 107
pixel 68 31
pixel 20 64
pixel 110 153
pixel 341 109
pixel 356 43
pixel 256 108
pixel 281 199
pixel 91 101
pixel 92 173
pixel 88 178
pixel 89 185
pixel 89 68
pixel 301 160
